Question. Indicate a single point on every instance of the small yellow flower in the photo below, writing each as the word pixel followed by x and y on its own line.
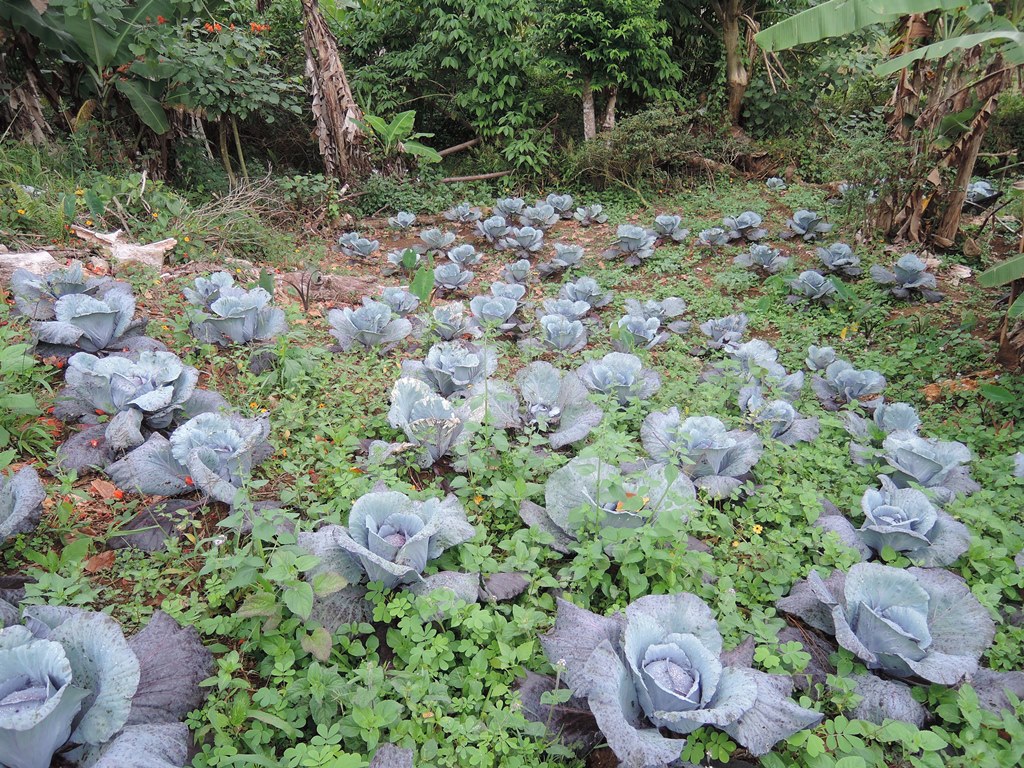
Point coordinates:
pixel 321 405
pixel 79 192
pixel 21 211
pixel 166 327
pixel 88 222
pixel 735 544
pixel 254 405
pixel 187 239
pixel 478 499
pixel 842 334
pixel 284 451
pixel 758 529
pixel 155 215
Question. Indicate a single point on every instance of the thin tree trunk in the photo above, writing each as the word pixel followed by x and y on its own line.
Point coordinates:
pixel 608 123
pixel 737 77
pixel 238 149
pixel 222 132
pixel 334 107
pixel 589 120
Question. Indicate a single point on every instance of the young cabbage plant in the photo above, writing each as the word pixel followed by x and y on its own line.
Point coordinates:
pixel 839 258
pixel 141 395
pixel 213 453
pixel 452 368
pixel 621 375
pixel 509 207
pixel 402 302
pixel 664 311
pixel 936 466
pixel 403 260
pixel 371 325
pixel 780 417
pixel 390 539
pixel 588 491
pixel 451 277
pixel 775 183
pixel 464 255
pixel 588 215
pixel 586 289
pixel 206 290
pixel 909 279
pixel 84 324
pixel 514 291
pixel 35 296
pixel 517 272
pixel 463 213
pixel 522 241
pixel 762 257
pixel 757 363
pixel 918 623
pixel 492 229
pixel 811 286
pixel 718 460
pixel 713 237
pixel 980 193
pixel 75 686
pixel 819 358
pixel 450 321
pixel 562 204
pixel 566 257
pixel 724 332
pixel 562 334
pixel 435 242
pixel 541 216
pixel 634 244
pixel 239 317
pixel 746 226
pixel 657 672
pixel 632 332
pixel 572 310
pixel 21 507
pixel 353 245
pixel 402 220
pixel 669 227
pixel 869 434
pixel 432 425
pixel 494 313
pixel 903 520
pixel 807 225
pixel 544 398
pixel 843 385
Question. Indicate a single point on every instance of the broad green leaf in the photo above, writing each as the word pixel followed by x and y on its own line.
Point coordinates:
pixel 997 394
pixel 1017 308
pixel 261 604
pixel 421 151
pixel 146 107
pixel 1001 274
pixel 401 126
pixel 328 582
pixel 946 47
pixel 317 643
pixel 836 18
pixel 422 284
pixel 299 599
pixel 275 721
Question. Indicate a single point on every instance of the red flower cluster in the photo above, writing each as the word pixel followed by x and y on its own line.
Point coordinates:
pixel 215 27
pixel 257 28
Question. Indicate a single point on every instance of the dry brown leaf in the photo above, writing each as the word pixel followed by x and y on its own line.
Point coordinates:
pixel 100 562
pixel 105 489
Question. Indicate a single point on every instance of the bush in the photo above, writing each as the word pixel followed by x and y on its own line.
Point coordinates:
pixel 654 147
pixel 1006 134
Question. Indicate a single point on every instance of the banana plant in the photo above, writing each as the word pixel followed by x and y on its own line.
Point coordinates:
pixel 398 137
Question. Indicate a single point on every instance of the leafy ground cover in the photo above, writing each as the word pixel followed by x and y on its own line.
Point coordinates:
pixel 731 466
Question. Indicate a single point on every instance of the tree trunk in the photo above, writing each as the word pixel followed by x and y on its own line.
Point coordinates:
pixel 608 123
pixel 589 120
pixel 334 107
pixel 737 77
pixel 22 116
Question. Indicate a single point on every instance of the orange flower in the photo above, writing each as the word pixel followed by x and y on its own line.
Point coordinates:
pixel 118 494
pixel 161 20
